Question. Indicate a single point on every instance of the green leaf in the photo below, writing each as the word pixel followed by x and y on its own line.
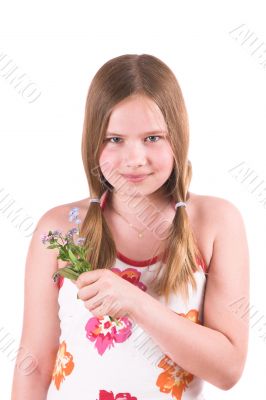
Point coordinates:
pixel 72 256
pixel 79 251
pixel 63 254
pixel 63 257
pixel 52 246
pixel 67 272
pixel 85 265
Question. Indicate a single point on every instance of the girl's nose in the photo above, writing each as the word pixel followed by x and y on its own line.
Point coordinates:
pixel 135 154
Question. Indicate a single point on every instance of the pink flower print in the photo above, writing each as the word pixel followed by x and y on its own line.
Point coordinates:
pixel 104 331
pixel 201 262
pixel 104 395
pixel 131 275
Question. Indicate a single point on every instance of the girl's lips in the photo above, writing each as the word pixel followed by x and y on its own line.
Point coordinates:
pixel 135 178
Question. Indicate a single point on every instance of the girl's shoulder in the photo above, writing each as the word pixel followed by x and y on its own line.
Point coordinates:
pixel 58 218
pixel 208 215
pixel 200 207
pixel 60 213
pixel 210 206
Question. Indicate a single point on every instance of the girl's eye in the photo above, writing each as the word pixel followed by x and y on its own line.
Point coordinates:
pixel 109 139
pixel 154 137
pixel 115 137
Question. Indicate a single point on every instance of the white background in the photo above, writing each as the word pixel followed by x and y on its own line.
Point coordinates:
pixel 60 46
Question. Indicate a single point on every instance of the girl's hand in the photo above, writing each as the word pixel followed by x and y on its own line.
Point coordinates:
pixel 106 293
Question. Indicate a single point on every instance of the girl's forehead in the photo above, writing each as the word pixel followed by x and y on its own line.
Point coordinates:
pixel 136 115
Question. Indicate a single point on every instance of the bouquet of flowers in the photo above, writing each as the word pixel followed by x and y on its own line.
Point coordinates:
pixel 69 249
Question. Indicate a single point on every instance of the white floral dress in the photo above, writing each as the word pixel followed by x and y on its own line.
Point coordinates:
pixel 99 359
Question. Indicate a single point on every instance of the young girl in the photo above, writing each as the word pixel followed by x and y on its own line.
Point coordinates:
pixel 157 316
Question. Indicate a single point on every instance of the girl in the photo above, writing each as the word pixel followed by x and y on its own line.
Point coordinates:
pixel 157 316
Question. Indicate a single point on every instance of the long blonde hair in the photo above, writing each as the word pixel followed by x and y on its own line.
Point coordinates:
pixel 118 78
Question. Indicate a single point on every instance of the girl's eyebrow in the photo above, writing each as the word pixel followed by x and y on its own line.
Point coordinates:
pixel 141 134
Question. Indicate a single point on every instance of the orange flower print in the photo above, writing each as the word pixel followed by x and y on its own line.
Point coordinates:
pixel 132 275
pixel 63 365
pixel 174 379
pixel 193 315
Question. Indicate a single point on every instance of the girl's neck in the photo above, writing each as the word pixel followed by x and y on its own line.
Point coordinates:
pixel 131 207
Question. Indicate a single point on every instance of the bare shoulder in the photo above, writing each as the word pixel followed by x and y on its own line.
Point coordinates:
pixel 58 216
pixel 210 201
pixel 224 220
pixel 215 209
pixel 211 218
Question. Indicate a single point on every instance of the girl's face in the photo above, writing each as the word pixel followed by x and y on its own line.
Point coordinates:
pixel 136 143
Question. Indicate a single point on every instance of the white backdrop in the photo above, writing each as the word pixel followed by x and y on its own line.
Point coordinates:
pixel 218 54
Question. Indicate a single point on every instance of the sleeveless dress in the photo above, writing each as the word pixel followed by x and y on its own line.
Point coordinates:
pixel 99 359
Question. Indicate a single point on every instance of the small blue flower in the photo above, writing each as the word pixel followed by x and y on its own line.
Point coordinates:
pixel 56 233
pixel 80 241
pixel 44 238
pixel 73 214
pixel 72 231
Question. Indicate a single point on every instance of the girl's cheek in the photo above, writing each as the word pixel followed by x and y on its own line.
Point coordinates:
pixel 108 161
pixel 105 157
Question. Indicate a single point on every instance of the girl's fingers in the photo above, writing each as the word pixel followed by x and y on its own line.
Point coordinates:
pixel 89 277
pixel 87 292
pixel 99 301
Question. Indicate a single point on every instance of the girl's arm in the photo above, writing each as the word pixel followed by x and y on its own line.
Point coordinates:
pixel 41 329
pixel 215 352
